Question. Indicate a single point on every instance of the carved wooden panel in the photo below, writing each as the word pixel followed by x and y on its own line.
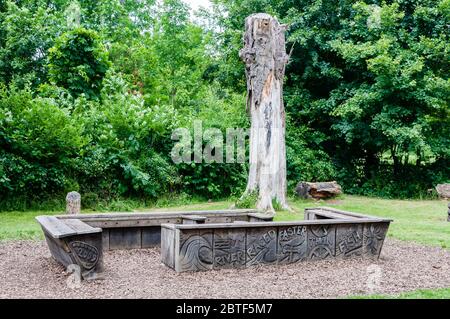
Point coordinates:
pixel 195 250
pixel 321 241
pixel 349 240
pixel 261 246
pixel 373 238
pixel 229 248
pixel 292 244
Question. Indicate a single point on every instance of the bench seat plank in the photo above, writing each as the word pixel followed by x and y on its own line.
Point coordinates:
pixel 54 227
pixel 80 227
pixel 58 228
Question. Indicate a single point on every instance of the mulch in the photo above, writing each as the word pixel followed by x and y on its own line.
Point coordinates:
pixel 28 271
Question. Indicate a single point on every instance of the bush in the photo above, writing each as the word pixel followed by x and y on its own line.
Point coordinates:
pixel 39 143
pixel 78 62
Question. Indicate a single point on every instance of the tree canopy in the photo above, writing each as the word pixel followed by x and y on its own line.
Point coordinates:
pixel 90 92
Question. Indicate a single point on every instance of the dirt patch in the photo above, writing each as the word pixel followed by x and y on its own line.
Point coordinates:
pixel 28 271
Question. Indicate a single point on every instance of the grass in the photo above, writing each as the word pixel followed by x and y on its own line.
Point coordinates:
pixel 422 221
pixel 443 293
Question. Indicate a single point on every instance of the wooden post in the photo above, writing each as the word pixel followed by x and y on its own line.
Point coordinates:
pixel 265 59
pixel 73 203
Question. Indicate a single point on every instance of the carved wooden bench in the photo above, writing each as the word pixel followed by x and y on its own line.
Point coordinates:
pixel 79 239
pixel 325 233
pixel 73 242
pixel 143 230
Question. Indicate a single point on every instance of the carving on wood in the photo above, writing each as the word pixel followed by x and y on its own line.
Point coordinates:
pixel 292 244
pixel 349 240
pixel 261 246
pixel 229 249
pixel 373 238
pixel 85 254
pixel 321 241
pixel 196 252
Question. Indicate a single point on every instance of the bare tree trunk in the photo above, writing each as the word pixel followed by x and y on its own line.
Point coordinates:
pixel 265 59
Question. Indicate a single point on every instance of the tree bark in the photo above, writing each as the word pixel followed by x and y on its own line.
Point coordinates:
pixel 265 59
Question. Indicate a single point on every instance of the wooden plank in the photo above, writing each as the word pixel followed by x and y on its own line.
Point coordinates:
pixel 145 215
pixel 256 217
pixel 105 239
pixel 193 250
pixel 350 214
pixel 349 240
pixel 151 236
pixel 261 246
pixel 168 247
pixel 323 214
pixel 80 227
pixel 287 223
pixel 54 227
pixel 321 241
pixel 292 244
pixel 125 238
pixel 194 217
pixel 229 247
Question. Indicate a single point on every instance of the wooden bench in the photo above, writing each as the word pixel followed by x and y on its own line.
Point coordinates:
pixel 240 244
pixel 73 242
pixel 143 230
pixel 80 239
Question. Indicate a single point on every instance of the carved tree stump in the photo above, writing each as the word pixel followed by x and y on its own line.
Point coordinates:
pixel 265 59
pixel 73 203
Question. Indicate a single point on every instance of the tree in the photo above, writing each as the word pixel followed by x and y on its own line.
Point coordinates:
pixel 368 80
pixel 265 59
pixel 78 62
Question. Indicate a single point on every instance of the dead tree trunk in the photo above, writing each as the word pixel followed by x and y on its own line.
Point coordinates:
pixel 265 59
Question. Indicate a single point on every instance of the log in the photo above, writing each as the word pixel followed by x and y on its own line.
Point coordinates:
pixel 443 190
pixel 318 190
pixel 265 59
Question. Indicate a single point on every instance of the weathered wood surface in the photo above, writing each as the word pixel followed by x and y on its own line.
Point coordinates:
pixel 141 230
pixel 73 203
pixel 247 244
pixel 58 228
pixel 265 58
pixel 321 190
pixel 72 242
pixel 194 219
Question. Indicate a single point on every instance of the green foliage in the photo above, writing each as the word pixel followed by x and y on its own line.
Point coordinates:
pixel 39 142
pixel 369 79
pixel 247 200
pixel 78 62
pixel 89 102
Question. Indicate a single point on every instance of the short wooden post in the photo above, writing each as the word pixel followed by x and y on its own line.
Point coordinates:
pixel 73 203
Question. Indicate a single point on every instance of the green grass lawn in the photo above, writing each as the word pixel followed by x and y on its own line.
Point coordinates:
pixel 443 293
pixel 422 221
